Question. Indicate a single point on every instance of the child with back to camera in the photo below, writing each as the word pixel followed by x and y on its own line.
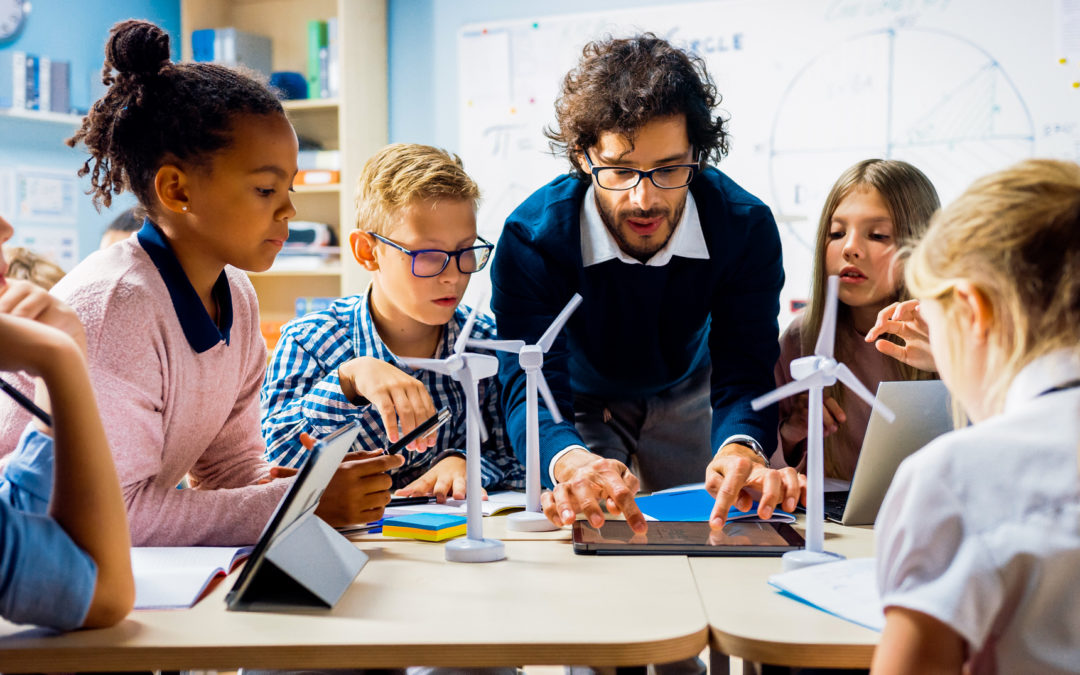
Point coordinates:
pixel 73 548
pixel 172 322
pixel 875 208
pixel 978 539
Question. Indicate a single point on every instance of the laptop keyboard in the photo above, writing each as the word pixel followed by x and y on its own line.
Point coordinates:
pixel 835 503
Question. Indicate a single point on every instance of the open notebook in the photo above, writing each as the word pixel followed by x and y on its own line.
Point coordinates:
pixel 495 504
pixel 175 577
pixel 846 589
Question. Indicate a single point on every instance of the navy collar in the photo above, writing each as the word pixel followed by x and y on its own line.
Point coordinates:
pixel 199 329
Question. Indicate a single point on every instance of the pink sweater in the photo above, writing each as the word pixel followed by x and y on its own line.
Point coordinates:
pixel 168 410
pixel 868 364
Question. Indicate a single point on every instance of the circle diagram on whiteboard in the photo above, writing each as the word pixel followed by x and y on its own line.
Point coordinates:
pixel 927 97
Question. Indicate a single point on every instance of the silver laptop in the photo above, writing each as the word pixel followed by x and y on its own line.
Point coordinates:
pixel 923 412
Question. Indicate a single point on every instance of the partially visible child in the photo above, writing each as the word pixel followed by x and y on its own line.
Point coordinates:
pixel 69 567
pixel 28 278
pixel 874 208
pixel 172 323
pixel 416 234
pixel 122 227
pixel 978 540
pixel 37 269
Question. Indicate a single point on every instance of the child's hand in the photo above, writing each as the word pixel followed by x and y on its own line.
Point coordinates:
pixel 793 429
pixel 26 300
pixel 359 490
pixel 445 479
pixel 400 398
pixel 903 320
pixel 33 347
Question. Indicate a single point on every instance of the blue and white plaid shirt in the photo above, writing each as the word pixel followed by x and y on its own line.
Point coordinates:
pixel 302 393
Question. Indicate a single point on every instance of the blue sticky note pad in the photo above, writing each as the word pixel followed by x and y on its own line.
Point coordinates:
pixel 689 506
pixel 425 521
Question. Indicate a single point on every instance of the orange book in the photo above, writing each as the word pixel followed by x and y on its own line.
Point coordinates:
pixel 317 177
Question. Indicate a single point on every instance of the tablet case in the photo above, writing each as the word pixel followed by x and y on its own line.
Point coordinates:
pixel 308 564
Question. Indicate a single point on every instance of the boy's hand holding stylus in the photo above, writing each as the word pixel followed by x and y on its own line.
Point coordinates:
pixel 401 399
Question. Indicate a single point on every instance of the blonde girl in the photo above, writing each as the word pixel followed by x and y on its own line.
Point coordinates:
pixel 979 536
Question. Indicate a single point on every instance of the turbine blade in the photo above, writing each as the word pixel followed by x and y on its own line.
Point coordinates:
pixel 497 345
pixel 466 328
pixel 827 334
pixel 437 365
pixel 789 389
pixel 847 377
pixel 549 400
pixel 548 338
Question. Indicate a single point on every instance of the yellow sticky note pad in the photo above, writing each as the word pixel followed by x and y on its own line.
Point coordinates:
pixel 424 535
pixel 425 526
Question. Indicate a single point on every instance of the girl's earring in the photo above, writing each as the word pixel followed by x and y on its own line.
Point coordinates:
pixel 184 208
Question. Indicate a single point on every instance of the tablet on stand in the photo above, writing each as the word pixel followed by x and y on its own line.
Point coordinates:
pixel 299 560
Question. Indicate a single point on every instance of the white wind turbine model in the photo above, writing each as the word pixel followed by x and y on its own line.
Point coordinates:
pixel 813 374
pixel 531 358
pixel 468 369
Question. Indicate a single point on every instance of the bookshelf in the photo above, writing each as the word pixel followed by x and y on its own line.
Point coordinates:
pixel 355 123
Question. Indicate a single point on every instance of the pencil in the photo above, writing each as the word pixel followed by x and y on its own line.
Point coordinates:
pixel 22 400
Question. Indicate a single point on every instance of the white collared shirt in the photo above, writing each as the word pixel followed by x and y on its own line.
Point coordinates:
pixel 597 244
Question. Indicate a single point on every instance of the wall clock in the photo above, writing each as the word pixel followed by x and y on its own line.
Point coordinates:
pixel 13 15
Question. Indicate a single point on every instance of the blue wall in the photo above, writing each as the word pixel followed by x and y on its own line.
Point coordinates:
pixel 422 37
pixel 74 31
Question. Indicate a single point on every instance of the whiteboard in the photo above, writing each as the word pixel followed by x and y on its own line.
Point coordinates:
pixel 958 88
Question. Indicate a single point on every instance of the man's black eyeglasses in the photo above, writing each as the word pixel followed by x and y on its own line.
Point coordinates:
pixel 624 178
pixel 430 262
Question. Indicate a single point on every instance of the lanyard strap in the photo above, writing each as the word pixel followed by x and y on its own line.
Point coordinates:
pixel 1071 384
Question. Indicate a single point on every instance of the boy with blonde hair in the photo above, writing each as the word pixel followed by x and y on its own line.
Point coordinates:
pixel 416 234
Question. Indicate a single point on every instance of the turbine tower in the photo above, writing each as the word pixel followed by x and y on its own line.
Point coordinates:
pixel 812 374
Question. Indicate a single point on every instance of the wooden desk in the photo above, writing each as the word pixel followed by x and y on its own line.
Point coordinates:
pixel 543 605
pixel 749 619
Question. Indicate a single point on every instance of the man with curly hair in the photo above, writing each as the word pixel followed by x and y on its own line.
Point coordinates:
pixel 680 270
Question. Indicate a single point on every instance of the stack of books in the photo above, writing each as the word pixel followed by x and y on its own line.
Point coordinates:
pixel 29 82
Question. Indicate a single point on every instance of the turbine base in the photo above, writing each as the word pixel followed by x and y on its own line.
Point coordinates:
pixel 529 521
pixel 474 550
pixel 793 560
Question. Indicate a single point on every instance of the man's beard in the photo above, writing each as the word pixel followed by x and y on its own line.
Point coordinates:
pixel 646 251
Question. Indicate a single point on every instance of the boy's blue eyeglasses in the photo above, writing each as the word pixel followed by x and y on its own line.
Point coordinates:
pixel 668 177
pixel 430 262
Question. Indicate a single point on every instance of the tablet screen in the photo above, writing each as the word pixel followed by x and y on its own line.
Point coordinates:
pixel 682 538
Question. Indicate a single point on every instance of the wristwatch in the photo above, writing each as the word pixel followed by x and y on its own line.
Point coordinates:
pixel 751 442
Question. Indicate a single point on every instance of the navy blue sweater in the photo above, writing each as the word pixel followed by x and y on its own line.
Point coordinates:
pixel 641 329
